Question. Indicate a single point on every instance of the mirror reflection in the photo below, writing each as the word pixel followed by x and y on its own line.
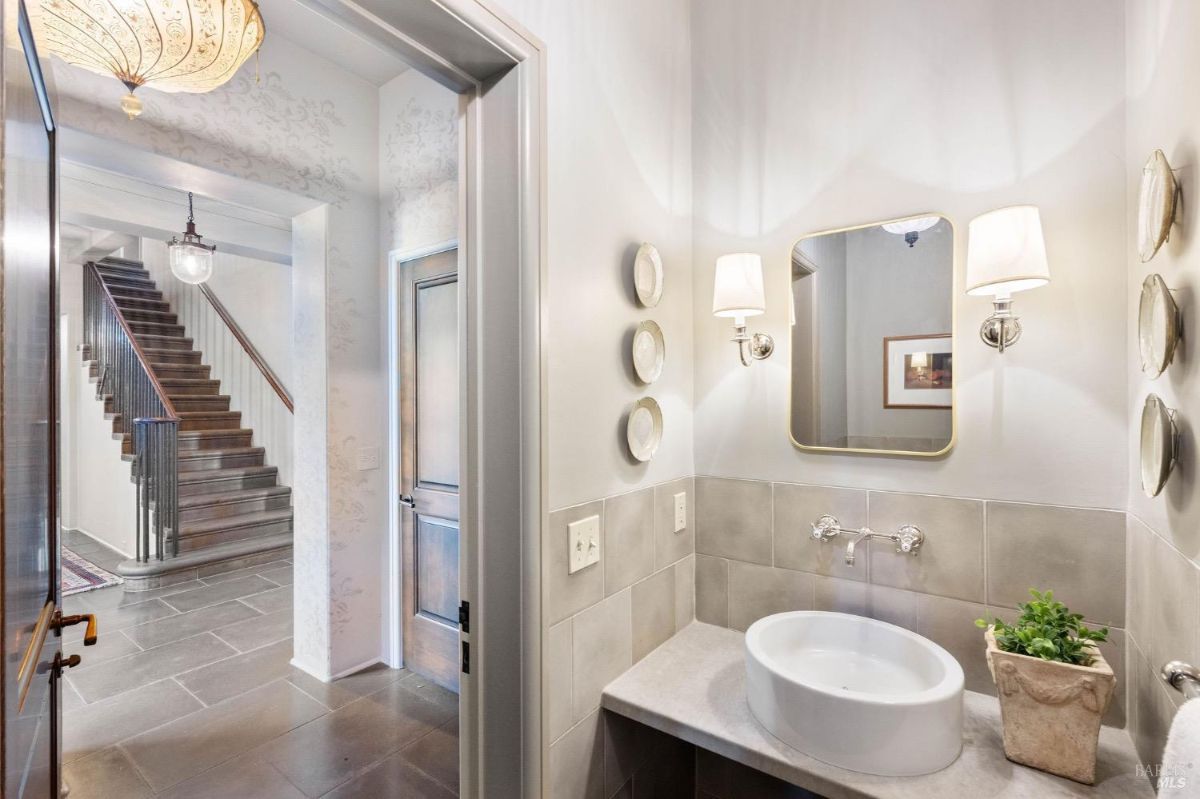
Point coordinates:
pixel 872 350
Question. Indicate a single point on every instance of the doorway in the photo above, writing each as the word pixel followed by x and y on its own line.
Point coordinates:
pixel 497 69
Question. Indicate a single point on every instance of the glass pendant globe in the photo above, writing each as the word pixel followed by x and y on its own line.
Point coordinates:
pixel 191 263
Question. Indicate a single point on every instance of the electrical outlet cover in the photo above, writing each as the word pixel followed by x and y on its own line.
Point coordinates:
pixel 681 511
pixel 583 543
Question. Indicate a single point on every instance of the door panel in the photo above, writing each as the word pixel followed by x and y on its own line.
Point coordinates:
pixel 436 321
pixel 429 479
pixel 29 497
pixel 437 569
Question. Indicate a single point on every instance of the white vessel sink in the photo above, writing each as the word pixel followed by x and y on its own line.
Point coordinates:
pixel 855 692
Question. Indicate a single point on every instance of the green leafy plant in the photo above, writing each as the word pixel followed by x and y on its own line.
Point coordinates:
pixel 1046 629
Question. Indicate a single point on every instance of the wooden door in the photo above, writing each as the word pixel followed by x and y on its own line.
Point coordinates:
pixel 28 437
pixel 429 479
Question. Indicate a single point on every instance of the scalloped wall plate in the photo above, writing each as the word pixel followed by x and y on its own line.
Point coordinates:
pixel 644 429
pixel 1156 205
pixel 648 275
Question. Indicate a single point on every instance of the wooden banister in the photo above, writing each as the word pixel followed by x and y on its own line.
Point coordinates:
pixel 249 348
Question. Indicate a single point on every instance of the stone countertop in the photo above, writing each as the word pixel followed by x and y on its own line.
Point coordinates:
pixel 693 687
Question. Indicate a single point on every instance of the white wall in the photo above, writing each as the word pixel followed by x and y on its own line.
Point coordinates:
pixel 258 295
pixel 810 116
pixel 99 496
pixel 618 104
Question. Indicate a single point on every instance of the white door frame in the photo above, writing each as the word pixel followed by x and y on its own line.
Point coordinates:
pixel 500 71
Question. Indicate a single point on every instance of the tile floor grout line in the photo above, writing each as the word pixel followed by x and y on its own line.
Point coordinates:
pixel 136 770
pixel 416 766
pixel 236 654
pixel 315 699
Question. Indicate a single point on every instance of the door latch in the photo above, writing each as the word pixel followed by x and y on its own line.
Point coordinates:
pixel 466 657
pixel 89 634
pixel 464 616
pixel 407 501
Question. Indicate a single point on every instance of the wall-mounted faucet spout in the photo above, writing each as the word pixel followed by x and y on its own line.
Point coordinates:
pixel 853 542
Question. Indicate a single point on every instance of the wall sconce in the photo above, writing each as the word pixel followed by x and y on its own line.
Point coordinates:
pixel 738 293
pixel 1006 253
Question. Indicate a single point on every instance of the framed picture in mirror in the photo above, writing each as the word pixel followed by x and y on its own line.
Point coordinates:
pixel 918 372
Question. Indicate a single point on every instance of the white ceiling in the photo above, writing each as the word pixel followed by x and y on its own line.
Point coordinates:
pixel 324 35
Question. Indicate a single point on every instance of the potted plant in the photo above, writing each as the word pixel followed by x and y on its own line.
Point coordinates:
pixel 1054 687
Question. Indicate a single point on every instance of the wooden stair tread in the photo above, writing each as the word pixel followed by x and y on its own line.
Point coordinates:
pixel 205 475
pixel 219 432
pixel 234 522
pixel 232 497
pixel 152 351
pixel 153 338
pixel 216 452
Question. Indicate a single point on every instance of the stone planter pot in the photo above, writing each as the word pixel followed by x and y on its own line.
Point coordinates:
pixel 1051 711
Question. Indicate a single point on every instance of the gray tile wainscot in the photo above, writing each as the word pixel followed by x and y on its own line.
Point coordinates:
pixel 693 687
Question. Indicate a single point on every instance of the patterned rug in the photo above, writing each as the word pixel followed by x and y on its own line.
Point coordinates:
pixel 79 575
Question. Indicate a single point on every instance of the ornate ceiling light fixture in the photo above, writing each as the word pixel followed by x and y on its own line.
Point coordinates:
pixel 173 45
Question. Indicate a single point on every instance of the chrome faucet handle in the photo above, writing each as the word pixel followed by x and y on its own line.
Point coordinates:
pixel 909 539
pixel 825 528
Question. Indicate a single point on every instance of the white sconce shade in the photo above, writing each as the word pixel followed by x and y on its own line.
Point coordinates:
pixel 1006 252
pixel 738 288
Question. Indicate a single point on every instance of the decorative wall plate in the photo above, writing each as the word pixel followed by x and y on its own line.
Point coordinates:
pixel 1158 445
pixel 644 429
pixel 648 275
pixel 1156 205
pixel 649 351
pixel 1159 326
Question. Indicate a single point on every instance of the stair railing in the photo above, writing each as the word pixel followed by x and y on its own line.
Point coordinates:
pixel 146 416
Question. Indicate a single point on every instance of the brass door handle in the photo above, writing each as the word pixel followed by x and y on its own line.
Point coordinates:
pixel 89 635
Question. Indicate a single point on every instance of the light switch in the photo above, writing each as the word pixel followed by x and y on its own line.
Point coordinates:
pixel 583 543
pixel 368 458
pixel 681 511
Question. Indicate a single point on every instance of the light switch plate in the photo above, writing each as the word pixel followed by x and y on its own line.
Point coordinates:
pixel 583 543
pixel 368 458
pixel 681 511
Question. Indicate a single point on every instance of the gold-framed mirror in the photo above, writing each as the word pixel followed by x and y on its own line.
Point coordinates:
pixel 872 338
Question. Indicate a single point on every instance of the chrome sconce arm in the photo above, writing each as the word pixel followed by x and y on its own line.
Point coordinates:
pixel 908 539
pixel 757 346
pixel 1002 329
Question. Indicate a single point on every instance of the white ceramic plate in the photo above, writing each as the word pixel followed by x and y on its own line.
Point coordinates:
pixel 644 429
pixel 1158 326
pixel 1157 451
pixel 1156 205
pixel 648 275
pixel 649 351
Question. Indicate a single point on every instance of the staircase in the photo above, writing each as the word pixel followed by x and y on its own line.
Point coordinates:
pixel 231 508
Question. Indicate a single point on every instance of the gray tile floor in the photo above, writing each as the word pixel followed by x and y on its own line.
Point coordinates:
pixel 189 693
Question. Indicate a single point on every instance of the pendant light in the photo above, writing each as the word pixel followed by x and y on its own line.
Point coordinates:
pixel 911 229
pixel 172 45
pixel 191 259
